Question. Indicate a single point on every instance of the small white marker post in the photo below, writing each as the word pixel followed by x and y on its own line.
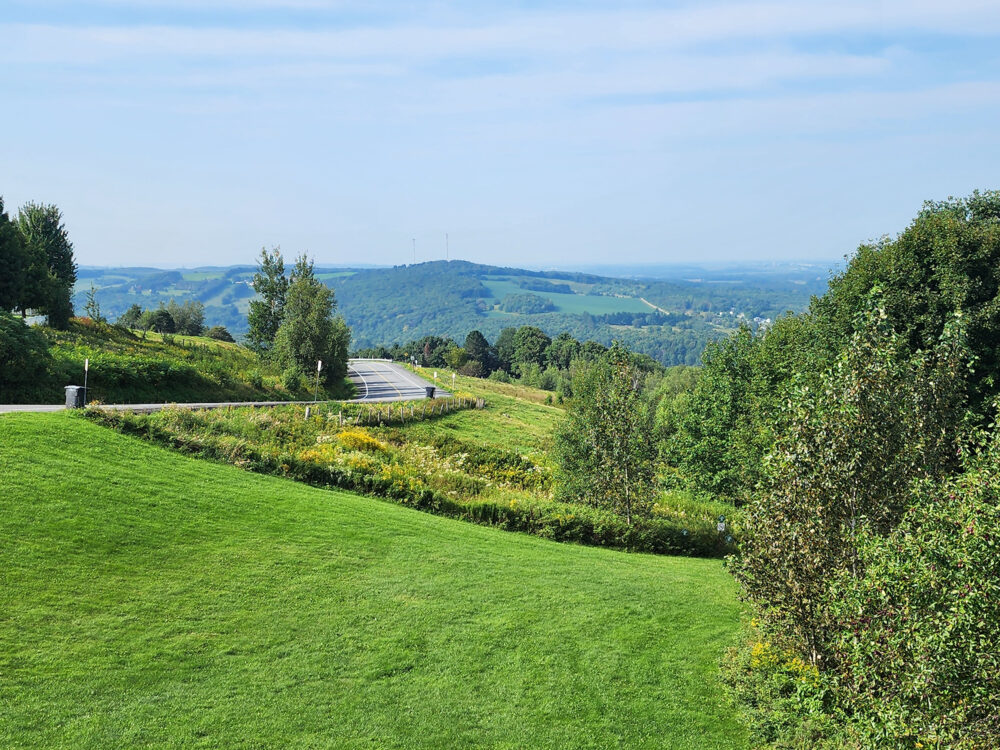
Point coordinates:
pixel 319 366
pixel 86 373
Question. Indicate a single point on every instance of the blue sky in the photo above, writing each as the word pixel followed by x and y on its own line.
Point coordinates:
pixel 194 132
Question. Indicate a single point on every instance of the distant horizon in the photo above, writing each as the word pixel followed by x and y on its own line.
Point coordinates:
pixel 577 268
pixel 634 132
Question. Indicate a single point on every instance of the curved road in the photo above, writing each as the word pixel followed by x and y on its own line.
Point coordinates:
pixel 384 380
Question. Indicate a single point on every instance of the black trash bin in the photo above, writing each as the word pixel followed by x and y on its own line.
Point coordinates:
pixel 430 391
pixel 75 396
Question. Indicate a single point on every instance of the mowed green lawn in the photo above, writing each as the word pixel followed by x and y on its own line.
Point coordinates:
pixel 151 600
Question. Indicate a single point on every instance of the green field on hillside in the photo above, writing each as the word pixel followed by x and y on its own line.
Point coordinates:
pixel 156 600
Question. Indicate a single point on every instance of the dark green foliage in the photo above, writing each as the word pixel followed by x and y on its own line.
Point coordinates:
pixel 562 351
pixel 605 447
pixel 13 263
pixel 526 304
pixel 220 333
pixel 919 628
pixel 266 313
pixel 725 428
pixel 51 270
pixel 480 353
pixel 505 348
pixel 530 346
pixel 24 358
pixel 542 285
pixel 158 320
pixel 309 333
pixel 188 317
pixel 947 260
pixel 131 318
pixel 854 442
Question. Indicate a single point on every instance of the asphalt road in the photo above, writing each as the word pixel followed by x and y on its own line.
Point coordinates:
pixel 382 380
pixel 377 380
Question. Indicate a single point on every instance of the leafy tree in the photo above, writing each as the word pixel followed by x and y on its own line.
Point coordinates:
pixel 505 347
pixel 158 320
pixel 530 344
pixel 563 350
pixel 51 271
pixel 266 314
pixel 13 263
pixel 945 261
pixel 220 333
pixel 728 424
pixel 526 304
pixel 189 317
pixel 456 357
pixel 915 624
pixel 479 350
pixel 604 449
pixel 309 332
pixel 592 351
pixel 131 317
pixel 855 442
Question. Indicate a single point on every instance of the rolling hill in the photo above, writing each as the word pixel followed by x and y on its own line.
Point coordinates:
pixel 669 319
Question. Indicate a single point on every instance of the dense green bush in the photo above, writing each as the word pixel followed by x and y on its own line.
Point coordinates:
pixel 875 423
pixel 24 358
pixel 292 380
pixel 919 631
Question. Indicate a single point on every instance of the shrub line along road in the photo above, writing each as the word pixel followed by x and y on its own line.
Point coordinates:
pixel 377 380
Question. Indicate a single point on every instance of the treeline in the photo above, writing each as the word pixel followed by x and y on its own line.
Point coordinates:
pixel 860 439
pixel 37 268
pixel 186 318
pixel 526 355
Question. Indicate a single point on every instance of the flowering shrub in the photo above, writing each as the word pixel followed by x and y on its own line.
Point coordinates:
pixel 357 439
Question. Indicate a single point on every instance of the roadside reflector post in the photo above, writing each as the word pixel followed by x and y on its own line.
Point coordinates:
pixel 86 374
pixel 319 366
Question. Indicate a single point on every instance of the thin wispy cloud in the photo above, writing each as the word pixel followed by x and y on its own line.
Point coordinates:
pixel 649 90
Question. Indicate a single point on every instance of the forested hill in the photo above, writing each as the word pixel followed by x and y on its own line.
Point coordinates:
pixel 671 320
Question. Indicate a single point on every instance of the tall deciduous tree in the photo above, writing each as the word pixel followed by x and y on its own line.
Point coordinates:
pixel 51 271
pixel 855 442
pixel 309 332
pixel 479 350
pixel 266 313
pixel 605 448
pixel 530 344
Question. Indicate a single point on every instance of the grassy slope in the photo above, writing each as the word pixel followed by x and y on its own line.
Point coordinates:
pixel 125 368
pixel 151 599
pixel 517 417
